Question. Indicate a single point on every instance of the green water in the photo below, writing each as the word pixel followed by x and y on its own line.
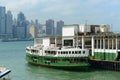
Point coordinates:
pixel 12 55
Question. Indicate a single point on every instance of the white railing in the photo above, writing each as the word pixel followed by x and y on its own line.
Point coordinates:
pixel 72 55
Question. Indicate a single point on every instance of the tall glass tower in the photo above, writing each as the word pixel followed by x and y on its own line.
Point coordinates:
pixel 50 29
pixel 60 24
pixel 2 20
pixel 9 24
pixel 21 26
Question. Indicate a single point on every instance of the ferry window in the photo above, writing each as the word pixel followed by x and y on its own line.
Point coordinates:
pixel 45 51
pixel 66 52
pixel 58 52
pixel 72 52
pixel 53 52
pixel 83 52
pixel 61 52
pixel 37 51
pixel 69 52
pixel 32 51
pixel 79 52
pixel 48 52
pixel 75 52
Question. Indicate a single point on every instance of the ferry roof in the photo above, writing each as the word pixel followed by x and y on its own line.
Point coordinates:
pixel 110 34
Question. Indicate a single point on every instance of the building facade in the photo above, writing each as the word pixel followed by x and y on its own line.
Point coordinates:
pixel 59 26
pixel 21 26
pixel 2 20
pixel 9 24
pixel 95 29
pixel 50 29
pixel 14 28
pixel 69 31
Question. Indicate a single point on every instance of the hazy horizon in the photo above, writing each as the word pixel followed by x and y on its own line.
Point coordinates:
pixel 71 12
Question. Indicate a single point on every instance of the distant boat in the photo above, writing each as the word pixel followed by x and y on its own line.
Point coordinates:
pixel 15 39
pixel 4 72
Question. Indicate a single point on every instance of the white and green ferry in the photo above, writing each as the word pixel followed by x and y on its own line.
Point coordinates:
pixel 67 57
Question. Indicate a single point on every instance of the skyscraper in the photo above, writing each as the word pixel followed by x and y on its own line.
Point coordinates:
pixel 14 28
pixel 9 24
pixel 50 29
pixel 21 26
pixel 60 24
pixel 20 19
pixel 2 20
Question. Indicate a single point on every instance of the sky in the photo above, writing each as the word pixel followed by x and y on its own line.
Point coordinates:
pixel 70 11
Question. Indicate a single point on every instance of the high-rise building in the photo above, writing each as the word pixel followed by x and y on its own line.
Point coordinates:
pixel 27 29
pixel 43 30
pixel 20 19
pixel 59 26
pixel 21 26
pixel 2 20
pixel 37 28
pixel 9 24
pixel 36 25
pixel 32 31
pixel 50 29
pixel 15 28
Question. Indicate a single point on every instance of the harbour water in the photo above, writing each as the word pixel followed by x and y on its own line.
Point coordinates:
pixel 12 56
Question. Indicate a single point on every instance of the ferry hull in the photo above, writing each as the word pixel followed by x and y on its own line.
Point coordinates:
pixel 70 68
pixel 81 66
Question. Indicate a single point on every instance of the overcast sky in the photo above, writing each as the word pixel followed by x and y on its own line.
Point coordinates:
pixel 70 11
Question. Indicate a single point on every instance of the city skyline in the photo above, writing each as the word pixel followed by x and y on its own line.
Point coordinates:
pixel 19 27
pixel 72 12
pixel 9 28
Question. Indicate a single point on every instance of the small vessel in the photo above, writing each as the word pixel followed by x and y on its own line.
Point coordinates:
pixel 66 57
pixel 4 72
